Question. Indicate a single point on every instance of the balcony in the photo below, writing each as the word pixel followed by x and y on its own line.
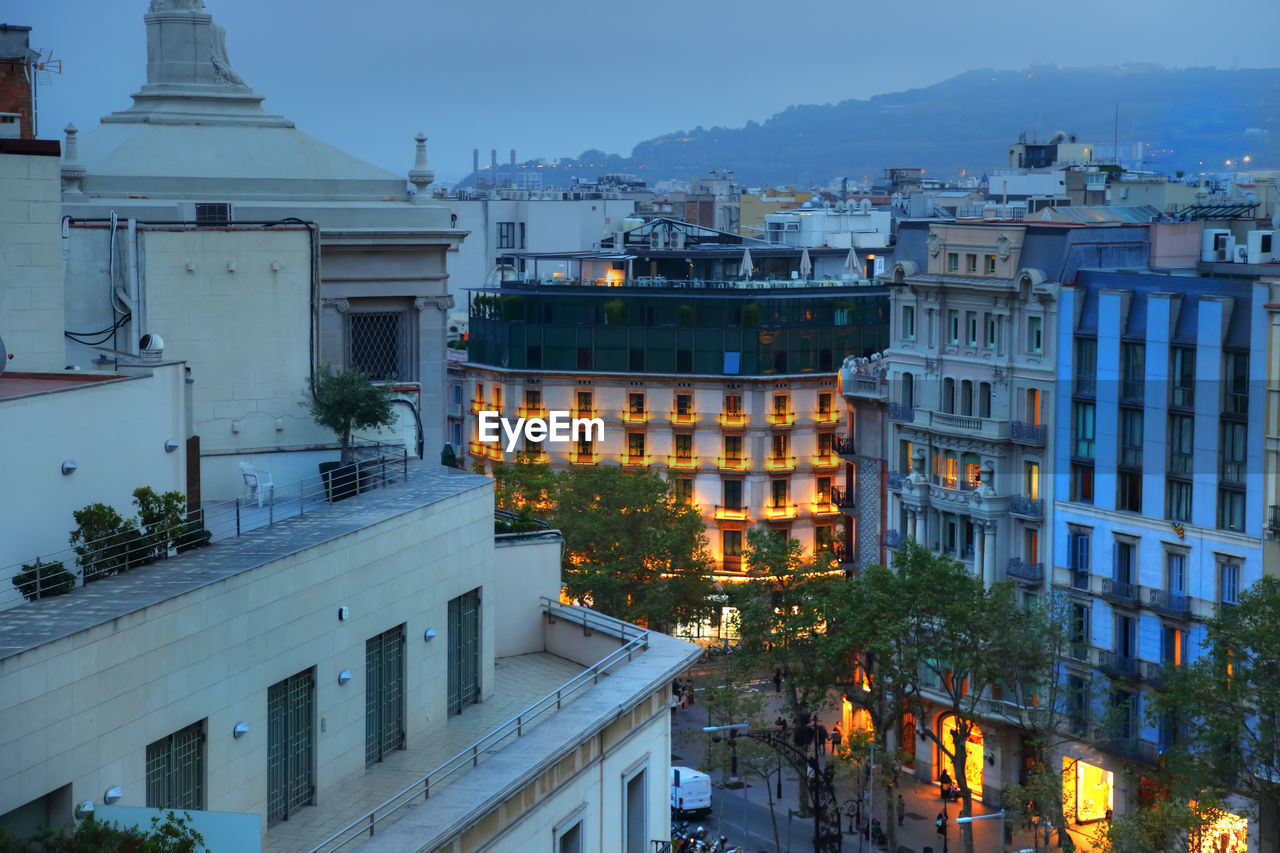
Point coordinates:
pixel 734 420
pixel 842 444
pixel 843 555
pixel 578 458
pixel 894 539
pixel 1025 507
pixel 1120 593
pixel 860 385
pixel 630 416
pixel 895 480
pixel 968 426
pixel 842 498
pixel 1032 573
pixel 631 460
pixel 779 463
pixel 1273 519
pixel 1155 673
pixel 1129 748
pixel 830 416
pixel 683 463
pixel 732 463
pixel 685 418
pixel 527 412
pixel 1032 435
pixel 1120 666
pixel 824 506
pixel 781 419
pixel 731 513
pixel 479 406
pixel 902 412
pixel 825 461
pixel 1168 603
pixel 532 457
pixel 780 512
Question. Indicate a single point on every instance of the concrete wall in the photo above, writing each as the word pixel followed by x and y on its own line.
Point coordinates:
pixel 30 281
pixel 539 575
pixel 115 429
pixel 83 709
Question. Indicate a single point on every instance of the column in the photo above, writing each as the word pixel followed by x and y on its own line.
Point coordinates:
pixel 989 554
pixel 979 548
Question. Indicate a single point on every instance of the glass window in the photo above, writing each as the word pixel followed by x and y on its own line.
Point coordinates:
pixel 1035 334
pixel 1181 431
pixel 532 400
pixel 1078 551
pixel 971 324
pixel 823 489
pixel 684 445
pixel 779 445
pixel 991 264
pixel 1183 375
pixel 778 493
pixel 1228 582
pixel 732 447
pixel 733 404
pixel 953 262
pixel 1230 509
pixel 684 489
pixel 1086 366
pixel 1081 483
pixel 635 445
pixel 732 494
pixel 990 339
pixel 970 263
pixel 1237 381
pixel 1232 452
pixel 1133 372
pixel 684 404
pixel 908 322
pixel 586 403
pixel 635 403
pixel 1129 491
pixel 1177 500
pixel 1031 480
pixel 953 326
pixel 1033 406
pixel 824 403
pixel 506 235
pixel 1131 437
pixel 732 544
pixel 1084 425
pixel 1175 572
pixel 780 404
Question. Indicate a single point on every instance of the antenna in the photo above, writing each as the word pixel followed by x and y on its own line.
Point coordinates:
pixel 47 66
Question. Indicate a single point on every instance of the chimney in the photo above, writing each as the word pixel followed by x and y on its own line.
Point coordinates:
pixel 475 160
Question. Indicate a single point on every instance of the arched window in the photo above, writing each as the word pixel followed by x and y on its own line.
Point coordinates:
pixel 949 395
pixel 908 390
pixel 984 399
pixel 966 397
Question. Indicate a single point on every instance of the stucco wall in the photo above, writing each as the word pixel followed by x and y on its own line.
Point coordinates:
pixel 30 284
pixel 84 708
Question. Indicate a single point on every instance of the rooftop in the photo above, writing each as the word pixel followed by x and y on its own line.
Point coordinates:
pixel 31 625
pixel 14 385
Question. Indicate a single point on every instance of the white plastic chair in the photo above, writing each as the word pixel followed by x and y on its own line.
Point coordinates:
pixel 256 482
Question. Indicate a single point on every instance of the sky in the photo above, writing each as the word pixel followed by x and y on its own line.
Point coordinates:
pixel 554 78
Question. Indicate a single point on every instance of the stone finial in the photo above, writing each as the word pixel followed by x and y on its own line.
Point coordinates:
pixel 71 151
pixel 72 170
pixel 420 176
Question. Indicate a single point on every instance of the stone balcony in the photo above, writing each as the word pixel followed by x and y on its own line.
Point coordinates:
pixel 1018 569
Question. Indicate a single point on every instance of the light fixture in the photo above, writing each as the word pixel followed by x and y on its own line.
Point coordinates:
pixel 241 729
pixel 429 635
pixel 112 794
pixel 344 676
pixel 235 426
pixel 991 759
pixel 83 810
pixel 69 466
pixel 343 614
pixel 171 444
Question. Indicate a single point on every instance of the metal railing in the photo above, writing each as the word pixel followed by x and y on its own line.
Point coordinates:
pixel 470 756
pixel 1025 571
pixel 1116 664
pixel 842 498
pixel 131 547
pixel 901 412
pixel 1119 592
pixel 893 539
pixel 1025 506
pixel 842 444
pixel 1169 603
pixel 1027 433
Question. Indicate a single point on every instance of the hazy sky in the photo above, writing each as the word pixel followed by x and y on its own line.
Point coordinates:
pixel 555 77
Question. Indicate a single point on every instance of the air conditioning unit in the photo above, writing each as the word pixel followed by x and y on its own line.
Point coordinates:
pixel 1241 255
pixel 1262 247
pixel 1217 244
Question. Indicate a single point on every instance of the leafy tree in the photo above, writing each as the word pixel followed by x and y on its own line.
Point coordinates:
pixel 174 834
pixel 163 520
pixel 634 549
pixel 105 543
pixel 347 401
pixel 522 484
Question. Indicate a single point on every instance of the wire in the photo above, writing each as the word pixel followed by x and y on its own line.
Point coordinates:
pixel 102 334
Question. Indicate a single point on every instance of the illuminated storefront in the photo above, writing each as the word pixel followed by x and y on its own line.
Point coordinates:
pixel 974 758
pixel 1089 788
pixel 1229 833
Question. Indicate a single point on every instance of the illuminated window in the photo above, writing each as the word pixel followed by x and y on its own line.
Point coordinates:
pixel 1091 788
pixel 970 263
pixel 1031 480
pixel 950 470
pixel 635 445
pixel 635 403
pixel 991 264
pixel 974 756
pixel 684 404
pixel 972 470
pixel 733 404
pixel 824 403
pixel 732 448
pixel 684 445
pixel 778 493
pixel 586 403
pixel 953 262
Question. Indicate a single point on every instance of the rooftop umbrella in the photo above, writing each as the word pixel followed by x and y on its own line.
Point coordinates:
pixel 851 264
pixel 806 265
pixel 746 263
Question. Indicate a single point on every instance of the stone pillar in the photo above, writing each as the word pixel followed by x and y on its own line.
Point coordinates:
pixel 979 549
pixel 989 554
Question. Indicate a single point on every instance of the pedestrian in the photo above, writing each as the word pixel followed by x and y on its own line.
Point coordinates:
pixel 777 680
pixel 944 781
pixel 780 725
pixel 675 703
pixel 835 738
pixel 941 823
pixel 902 809
pixel 822 739
pixel 685 699
pixel 690 688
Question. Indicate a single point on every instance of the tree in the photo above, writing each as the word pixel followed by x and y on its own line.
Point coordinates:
pixel 347 401
pixel 633 548
pixel 1222 714
pixel 174 834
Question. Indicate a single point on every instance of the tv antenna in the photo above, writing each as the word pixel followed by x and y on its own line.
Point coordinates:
pixel 46 66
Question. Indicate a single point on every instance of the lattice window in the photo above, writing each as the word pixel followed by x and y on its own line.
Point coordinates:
pixel 380 343
pixel 213 214
pixel 175 770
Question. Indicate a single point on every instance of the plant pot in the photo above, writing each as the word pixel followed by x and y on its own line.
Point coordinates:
pixel 340 480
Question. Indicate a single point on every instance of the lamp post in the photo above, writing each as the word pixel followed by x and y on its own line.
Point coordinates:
pixel 993 816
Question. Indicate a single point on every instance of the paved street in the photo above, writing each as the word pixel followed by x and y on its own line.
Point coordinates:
pixel 743 815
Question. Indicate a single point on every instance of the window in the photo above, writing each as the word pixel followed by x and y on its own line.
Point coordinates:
pixel 971 325
pixel 522 235
pixel 1082 482
pixel 635 446
pixel 497 398
pixel 1230 509
pixel 733 448
pixel 1232 451
pixel 826 444
pixel 1078 627
pixel 780 404
pixel 950 470
pixel 384 694
pixel 684 405
pixel 1078 551
pixel 1035 334
pixel 1236 365
pixel 217 213
pixel 1084 424
pixel 949 395
pixel 953 326
pixel 532 401
pixel 1031 480
pixel 823 489
pixel 1129 491
pixel 1131 437
pixel 984 399
pixel 684 446
pixel 778 493
pixel 635 826
pixel 904 456
pixel 1133 372
pixel 1181 432
pixel 586 447
pixel 732 545
pixel 1175 572
pixel 635 403
pixel 824 403
pixel 991 264
pixel 779 445
pixel 990 340
pixel 1124 641
pixel 1124 567
pixel 380 343
pixel 971 466
pixel 1182 373
pixel 1177 500
pixel 684 489
pixel 908 323
pixel 970 263
pixel 733 404
pixel 966 397
pixel 290 745
pixel 1086 366
pixel 175 770
pixel 953 262
pixel 732 490
pixel 1033 406
pixel 506 235
pixel 570 840
pixel 1228 582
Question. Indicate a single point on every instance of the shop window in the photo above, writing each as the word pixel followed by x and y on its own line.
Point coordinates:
pixel 974 755
pixel 1090 789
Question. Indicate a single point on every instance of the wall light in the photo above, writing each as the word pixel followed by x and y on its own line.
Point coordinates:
pixel 69 466
pixel 171 444
pixel 241 729
pixel 430 635
pixel 344 676
pixel 111 795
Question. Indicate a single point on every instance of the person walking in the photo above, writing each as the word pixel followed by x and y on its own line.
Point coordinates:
pixel 944 781
pixel 777 680
pixel 902 809
pixel 836 737
pixel 822 739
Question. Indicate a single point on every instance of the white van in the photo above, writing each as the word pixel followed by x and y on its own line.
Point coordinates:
pixel 690 792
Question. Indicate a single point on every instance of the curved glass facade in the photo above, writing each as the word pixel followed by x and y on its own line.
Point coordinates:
pixel 625 330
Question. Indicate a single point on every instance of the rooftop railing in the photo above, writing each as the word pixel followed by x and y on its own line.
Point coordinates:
pixel 661 283
pixel 634 639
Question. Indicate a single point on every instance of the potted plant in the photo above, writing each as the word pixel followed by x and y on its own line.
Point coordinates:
pixel 42 580
pixel 344 402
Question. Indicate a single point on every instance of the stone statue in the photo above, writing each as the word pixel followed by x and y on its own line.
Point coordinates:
pixel 176 6
pixel 218 54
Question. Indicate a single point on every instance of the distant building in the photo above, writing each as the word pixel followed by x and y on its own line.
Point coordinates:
pixel 844 225
pixel 18 78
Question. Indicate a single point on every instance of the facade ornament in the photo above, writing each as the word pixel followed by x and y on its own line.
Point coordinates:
pixel 1004 247
pixel 340 304
pixel 444 303
pixel 420 176
pixel 73 171
pixel 934 243
pixel 1001 374
pixel 176 6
